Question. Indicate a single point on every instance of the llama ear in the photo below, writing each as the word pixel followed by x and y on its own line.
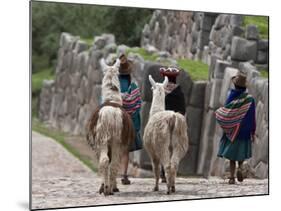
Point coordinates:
pixel 117 64
pixel 152 82
pixel 103 65
pixel 165 83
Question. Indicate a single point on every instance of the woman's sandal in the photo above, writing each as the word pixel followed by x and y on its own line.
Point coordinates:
pixel 231 181
pixel 239 175
pixel 125 180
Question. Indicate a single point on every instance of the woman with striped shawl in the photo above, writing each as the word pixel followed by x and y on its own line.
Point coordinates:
pixel 131 103
pixel 237 119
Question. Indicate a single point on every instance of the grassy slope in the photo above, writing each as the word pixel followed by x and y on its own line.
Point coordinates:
pixel 60 138
pixel 260 21
pixel 196 69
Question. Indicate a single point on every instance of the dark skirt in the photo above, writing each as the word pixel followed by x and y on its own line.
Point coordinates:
pixel 137 143
pixel 238 150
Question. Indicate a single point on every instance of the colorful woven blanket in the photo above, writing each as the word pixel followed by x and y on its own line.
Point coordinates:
pixel 231 115
pixel 132 99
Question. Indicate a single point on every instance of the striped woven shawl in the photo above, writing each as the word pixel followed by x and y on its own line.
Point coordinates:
pixel 132 99
pixel 231 115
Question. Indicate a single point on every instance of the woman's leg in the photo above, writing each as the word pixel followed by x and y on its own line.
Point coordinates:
pixel 239 171
pixel 163 178
pixel 232 171
pixel 125 163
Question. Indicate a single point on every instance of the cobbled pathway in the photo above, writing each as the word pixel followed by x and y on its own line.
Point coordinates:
pixel 61 180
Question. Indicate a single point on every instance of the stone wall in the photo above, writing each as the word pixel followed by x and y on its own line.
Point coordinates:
pixel 182 34
pixel 68 101
pixel 201 36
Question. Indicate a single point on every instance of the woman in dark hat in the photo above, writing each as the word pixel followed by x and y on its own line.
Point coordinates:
pixel 237 119
pixel 174 99
pixel 131 103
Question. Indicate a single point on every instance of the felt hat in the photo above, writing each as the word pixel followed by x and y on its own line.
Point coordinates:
pixel 240 79
pixel 170 72
pixel 126 66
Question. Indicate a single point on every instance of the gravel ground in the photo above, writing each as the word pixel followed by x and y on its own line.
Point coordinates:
pixel 61 180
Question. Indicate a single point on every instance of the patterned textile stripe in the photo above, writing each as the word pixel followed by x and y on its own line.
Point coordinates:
pixel 132 99
pixel 231 115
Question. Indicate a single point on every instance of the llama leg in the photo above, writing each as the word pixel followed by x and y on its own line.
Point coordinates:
pixel 114 166
pixel 103 169
pixel 174 168
pixel 156 170
pixel 167 166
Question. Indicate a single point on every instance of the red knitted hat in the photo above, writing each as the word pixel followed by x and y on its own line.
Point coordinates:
pixel 170 72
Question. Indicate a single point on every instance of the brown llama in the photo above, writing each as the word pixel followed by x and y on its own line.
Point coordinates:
pixel 110 129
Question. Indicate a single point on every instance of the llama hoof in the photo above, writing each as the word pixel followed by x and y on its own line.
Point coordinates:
pixel 111 193
pixel 106 191
pixel 101 190
pixel 115 190
pixel 168 192
pixel 173 189
pixel 155 189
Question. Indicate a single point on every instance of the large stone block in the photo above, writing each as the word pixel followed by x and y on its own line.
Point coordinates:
pixel 207 22
pixel 188 164
pixel 236 20
pixel 261 171
pixel 198 94
pixel 145 109
pixel 215 93
pixel 45 100
pixel 206 144
pixel 80 46
pixel 194 118
pixel 263 45
pixel 237 31
pixel 226 83
pixel 153 70
pixel 220 67
pixel 262 57
pixel 221 21
pixel 252 32
pixel 243 50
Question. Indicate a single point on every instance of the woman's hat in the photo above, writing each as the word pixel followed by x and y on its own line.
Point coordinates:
pixel 240 79
pixel 170 72
pixel 126 66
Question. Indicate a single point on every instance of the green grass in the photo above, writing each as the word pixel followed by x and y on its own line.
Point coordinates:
pixel 37 79
pixel 196 69
pixel 89 41
pixel 264 73
pixel 145 55
pixel 260 21
pixel 60 138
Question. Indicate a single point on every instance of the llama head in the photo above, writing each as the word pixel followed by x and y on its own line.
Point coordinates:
pixel 158 89
pixel 110 79
pixel 110 82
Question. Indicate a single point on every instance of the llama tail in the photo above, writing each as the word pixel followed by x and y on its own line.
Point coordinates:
pixel 179 137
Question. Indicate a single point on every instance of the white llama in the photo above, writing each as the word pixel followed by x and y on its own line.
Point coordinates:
pixel 165 136
pixel 110 129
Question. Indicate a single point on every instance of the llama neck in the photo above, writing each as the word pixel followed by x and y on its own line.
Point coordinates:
pixel 111 96
pixel 157 105
pixel 110 92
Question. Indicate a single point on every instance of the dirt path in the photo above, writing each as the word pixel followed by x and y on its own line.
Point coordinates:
pixel 61 180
